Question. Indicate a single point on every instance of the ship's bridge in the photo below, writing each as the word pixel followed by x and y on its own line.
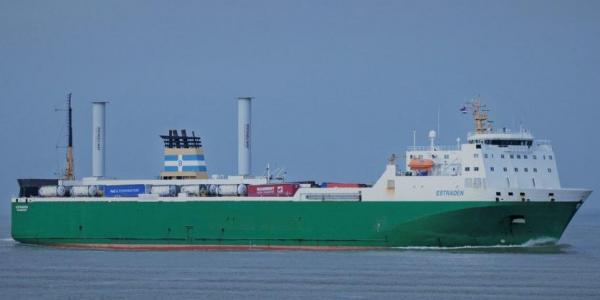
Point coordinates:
pixel 501 139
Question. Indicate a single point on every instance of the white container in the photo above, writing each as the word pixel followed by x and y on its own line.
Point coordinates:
pixel 79 191
pixel 195 190
pixel 231 189
pixel 190 189
pixel 84 191
pixel 164 190
pixel 213 189
pixel 52 191
pixel 94 191
pixel 242 190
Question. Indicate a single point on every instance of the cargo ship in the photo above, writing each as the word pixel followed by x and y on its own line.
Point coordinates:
pixel 498 188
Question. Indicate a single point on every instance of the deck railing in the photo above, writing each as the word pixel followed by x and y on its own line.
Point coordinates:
pixel 435 148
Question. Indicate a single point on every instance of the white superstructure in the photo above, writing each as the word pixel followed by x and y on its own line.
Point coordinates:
pixel 492 165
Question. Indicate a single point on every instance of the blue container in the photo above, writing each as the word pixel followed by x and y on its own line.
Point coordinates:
pixel 129 190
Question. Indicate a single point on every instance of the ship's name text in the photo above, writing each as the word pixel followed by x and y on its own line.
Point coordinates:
pixel 442 193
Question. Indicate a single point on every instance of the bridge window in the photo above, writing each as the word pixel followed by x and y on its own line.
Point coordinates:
pixel 512 156
pixel 516 170
pixel 549 170
pixel 506 143
pixel 526 169
pixel 534 156
pixel 518 156
pixel 476 169
pixel 524 156
pixel 467 169
pixel 550 157
pixel 534 170
pixel 502 156
pixel 505 169
pixel 492 169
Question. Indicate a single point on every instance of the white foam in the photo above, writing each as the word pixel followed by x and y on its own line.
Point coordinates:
pixel 537 242
pixel 541 241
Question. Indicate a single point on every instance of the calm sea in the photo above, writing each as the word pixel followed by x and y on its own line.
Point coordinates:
pixel 567 271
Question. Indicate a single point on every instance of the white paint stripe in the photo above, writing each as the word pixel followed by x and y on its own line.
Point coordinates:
pixel 194 163
pixel 184 163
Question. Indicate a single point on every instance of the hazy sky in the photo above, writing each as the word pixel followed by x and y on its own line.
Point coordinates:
pixel 339 85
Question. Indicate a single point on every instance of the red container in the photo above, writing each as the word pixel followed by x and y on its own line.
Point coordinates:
pixel 273 190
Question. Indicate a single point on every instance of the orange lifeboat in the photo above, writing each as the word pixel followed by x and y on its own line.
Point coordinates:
pixel 421 164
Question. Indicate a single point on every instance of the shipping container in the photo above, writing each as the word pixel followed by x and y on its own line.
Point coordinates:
pixel 164 190
pixel 195 190
pixel 273 190
pixel 52 191
pixel 84 191
pixel 231 190
pixel 129 190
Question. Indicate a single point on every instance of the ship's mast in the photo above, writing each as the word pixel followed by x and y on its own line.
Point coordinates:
pixel 69 174
pixel 480 116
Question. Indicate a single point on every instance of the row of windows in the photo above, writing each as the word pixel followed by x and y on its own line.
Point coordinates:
pixel 512 156
pixel 503 143
pixel 505 169
pixel 502 156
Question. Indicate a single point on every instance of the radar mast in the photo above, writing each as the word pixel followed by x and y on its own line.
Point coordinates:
pixel 480 115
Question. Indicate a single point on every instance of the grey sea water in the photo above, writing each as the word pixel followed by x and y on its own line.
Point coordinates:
pixel 569 270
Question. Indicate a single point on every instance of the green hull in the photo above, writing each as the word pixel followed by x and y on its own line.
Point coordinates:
pixel 266 224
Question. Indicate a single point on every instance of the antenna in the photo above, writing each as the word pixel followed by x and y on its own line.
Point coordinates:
pixel 277 173
pixel 269 177
pixel 438 121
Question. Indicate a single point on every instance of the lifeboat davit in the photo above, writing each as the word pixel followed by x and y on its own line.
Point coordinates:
pixel 421 164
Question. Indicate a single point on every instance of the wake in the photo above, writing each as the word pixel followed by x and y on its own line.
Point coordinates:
pixel 543 242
